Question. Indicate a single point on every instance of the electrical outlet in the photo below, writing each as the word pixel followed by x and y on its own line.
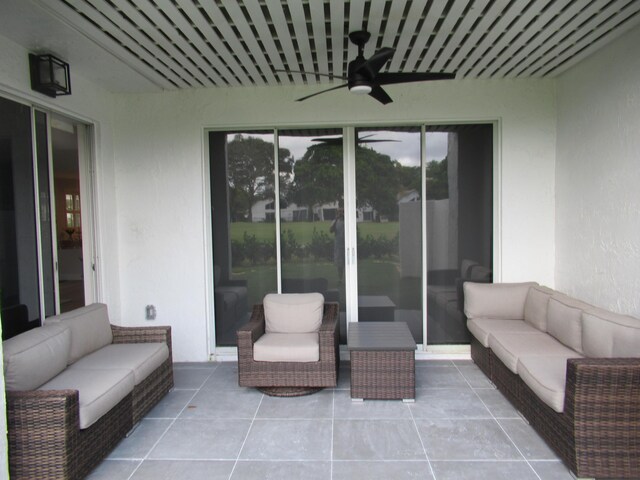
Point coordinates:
pixel 150 311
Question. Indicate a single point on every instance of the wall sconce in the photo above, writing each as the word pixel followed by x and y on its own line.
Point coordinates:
pixel 49 75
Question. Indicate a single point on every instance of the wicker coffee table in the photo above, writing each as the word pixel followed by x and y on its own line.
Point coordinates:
pixel 382 361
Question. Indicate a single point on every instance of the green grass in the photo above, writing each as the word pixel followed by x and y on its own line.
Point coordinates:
pixel 303 230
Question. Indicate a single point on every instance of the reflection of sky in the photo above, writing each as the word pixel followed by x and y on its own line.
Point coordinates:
pixel 406 149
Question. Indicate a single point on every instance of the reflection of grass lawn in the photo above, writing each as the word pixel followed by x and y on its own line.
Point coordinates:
pixel 375 277
pixel 303 230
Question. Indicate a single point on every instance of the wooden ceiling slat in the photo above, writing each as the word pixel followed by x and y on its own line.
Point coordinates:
pixel 515 29
pixel 374 22
pixel 299 21
pixel 495 10
pixel 406 35
pixel 260 24
pixel 249 38
pixel 394 20
pixel 356 22
pixel 320 39
pixel 445 31
pixel 568 33
pixel 284 36
pixel 596 33
pixel 461 32
pixel 421 41
pixel 492 35
pixel 336 10
pixel 158 76
pixel 501 63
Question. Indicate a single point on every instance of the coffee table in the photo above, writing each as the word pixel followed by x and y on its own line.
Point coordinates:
pixel 382 361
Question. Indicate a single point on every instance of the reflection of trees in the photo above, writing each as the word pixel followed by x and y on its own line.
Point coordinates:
pixel 437 180
pixel 251 167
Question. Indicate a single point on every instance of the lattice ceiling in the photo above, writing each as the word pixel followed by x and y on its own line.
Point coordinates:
pixel 178 44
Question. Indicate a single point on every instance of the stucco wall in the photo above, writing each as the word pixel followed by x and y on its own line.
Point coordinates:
pixel 598 178
pixel 159 155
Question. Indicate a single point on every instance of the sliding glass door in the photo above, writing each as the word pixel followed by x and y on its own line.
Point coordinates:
pixel 389 222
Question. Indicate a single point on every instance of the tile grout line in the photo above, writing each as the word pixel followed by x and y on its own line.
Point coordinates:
pixel 255 415
pixel 196 391
pixel 424 449
pixel 498 422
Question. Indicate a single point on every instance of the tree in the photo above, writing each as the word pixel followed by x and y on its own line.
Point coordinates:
pixel 437 179
pixel 376 181
pixel 251 171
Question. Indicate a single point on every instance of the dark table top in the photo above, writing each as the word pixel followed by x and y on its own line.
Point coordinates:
pixel 380 336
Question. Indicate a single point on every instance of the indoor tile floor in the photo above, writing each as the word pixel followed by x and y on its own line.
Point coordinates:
pixel 208 427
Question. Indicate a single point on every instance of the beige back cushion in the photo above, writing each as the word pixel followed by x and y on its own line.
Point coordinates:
pixel 607 334
pixel 90 329
pixel 495 300
pixel 535 307
pixel 35 357
pixel 293 312
pixel 564 321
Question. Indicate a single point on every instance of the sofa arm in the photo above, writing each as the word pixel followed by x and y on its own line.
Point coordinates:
pixel 601 397
pixel 156 334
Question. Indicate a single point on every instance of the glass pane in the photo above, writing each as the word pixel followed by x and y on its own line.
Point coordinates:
pixel 311 214
pixel 459 224
pixel 244 234
pixel 389 214
pixel 66 181
pixel 46 229
pixel 18 248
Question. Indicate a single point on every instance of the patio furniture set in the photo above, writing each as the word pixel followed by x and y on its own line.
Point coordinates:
pixel 77 385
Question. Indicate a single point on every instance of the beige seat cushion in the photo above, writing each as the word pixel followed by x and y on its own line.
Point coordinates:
pixel 90 329
pixel 287 347
pixel 535 307
pixel 141 358
pixel 36 356
pixel 495 300
pixel 98 393
pixel 508 347
pixel 546 376
pixel 481 328
pixel 293 312
pixel 607 334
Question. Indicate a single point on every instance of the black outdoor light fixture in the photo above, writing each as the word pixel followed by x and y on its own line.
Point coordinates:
pixel 49 75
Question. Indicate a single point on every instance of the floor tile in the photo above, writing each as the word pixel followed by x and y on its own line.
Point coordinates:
pixel 439 377
pixel 172 404
pixel 202 439
pixel 288 440
pixel 180 469
pixel 223 403
pixel 466 440
pixel 433 363
pixel 448 403
pixel 376 440
pixel 372 470
pixel 474 376
pixel 114 470
pixel 279 470
pixel 344 379
pixel 317 405
pixel 552 470
pixel 531 445
pixel 497 404
pixel 141 441
pixel 199 365
pixel 509 470
pixel 344 407
pixel 190 378
pixel 225 376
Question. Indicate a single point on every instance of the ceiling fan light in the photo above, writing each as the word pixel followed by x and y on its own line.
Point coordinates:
pixel 360 89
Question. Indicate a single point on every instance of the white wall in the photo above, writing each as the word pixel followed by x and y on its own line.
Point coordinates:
pixel 598 178
pixel 159 155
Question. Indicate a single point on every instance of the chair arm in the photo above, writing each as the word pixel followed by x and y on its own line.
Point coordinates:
pixel 602 394
pixel 156 334
pixel 329 333
pixel 250 332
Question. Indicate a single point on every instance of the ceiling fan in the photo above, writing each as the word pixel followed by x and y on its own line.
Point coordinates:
pixel 362 139
pixel 364 76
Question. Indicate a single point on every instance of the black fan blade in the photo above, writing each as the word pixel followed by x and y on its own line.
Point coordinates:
pixel 302 72
pixel 399 77
pixel 379 94
pixel 322 91
pixel 372 66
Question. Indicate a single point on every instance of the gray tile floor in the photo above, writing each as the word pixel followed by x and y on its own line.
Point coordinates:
pixel 460 427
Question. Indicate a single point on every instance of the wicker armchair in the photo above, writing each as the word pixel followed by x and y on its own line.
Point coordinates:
pixel 323 373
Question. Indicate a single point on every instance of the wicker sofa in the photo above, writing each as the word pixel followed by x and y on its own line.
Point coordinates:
pixel 76 386
pixel 570 368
